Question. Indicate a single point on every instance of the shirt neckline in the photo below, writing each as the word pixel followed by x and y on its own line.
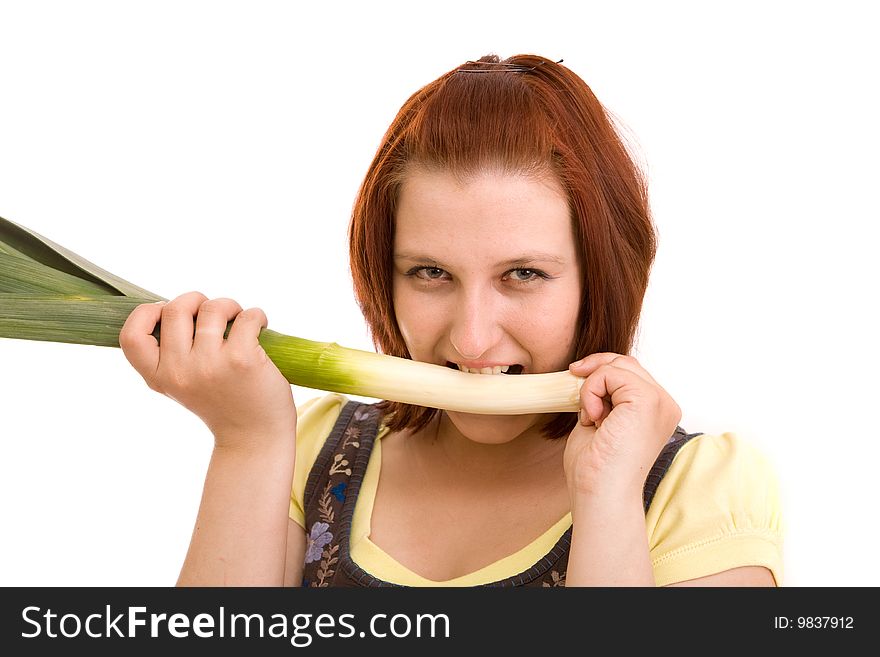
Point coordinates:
pixel 364 552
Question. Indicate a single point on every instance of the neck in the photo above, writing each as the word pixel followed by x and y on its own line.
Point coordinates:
pixel 528 453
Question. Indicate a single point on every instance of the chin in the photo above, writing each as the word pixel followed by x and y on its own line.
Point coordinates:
pixel 492 429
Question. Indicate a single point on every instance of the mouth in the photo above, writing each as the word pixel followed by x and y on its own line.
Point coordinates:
pixel 497 369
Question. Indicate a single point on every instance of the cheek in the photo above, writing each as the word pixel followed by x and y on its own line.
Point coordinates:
pixel 416 326
pixel 553 324
pixel 570 331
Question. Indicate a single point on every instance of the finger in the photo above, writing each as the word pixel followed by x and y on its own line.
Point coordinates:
pixel 606 411
pixel 591 363
pixel 245 329
pixel 139 346
pixel 211 323
pixel 178 318
pixel 585 419
pixel 607 387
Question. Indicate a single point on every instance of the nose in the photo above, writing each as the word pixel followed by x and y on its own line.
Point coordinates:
pixel 476 326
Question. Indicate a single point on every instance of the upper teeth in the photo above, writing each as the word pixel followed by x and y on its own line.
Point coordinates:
pixel 497 369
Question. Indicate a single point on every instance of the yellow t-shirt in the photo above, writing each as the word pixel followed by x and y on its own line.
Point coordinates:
pixel 716 508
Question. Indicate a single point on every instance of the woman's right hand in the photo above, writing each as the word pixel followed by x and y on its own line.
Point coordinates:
pixel 231 384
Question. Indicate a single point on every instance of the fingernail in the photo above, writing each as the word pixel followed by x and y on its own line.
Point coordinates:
pixel 578 363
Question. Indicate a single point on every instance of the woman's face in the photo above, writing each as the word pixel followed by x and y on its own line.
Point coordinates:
pixel 486 278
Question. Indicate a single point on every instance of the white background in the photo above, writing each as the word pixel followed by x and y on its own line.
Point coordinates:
pixel 218 146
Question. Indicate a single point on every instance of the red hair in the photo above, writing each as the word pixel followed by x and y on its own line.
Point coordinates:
pixel 523 114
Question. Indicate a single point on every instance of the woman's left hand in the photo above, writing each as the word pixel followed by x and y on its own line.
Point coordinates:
pixel 626 418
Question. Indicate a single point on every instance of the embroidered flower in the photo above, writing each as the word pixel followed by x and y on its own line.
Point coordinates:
pixel 555 579
pixel 339 465
pixel 361 414
pixel 317 539
pixel 325 506
pixel 338 491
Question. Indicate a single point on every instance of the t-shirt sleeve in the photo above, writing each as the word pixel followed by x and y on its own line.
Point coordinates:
pixel 717 508
pixel 314 422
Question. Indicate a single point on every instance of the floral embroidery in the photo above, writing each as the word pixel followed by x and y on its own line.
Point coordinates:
pixel 338 465
pixel 322 547
pixel 557 579
pixel 325 506
pixel 325 571
pixel 352 435
pixel 317 539
pixel 338 491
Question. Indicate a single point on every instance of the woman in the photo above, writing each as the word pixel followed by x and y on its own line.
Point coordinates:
pixel 501 229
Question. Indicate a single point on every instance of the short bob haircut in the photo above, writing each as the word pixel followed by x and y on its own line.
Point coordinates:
pixel 523 114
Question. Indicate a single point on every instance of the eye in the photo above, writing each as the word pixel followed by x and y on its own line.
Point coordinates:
pixel 525 275
pixel 426 273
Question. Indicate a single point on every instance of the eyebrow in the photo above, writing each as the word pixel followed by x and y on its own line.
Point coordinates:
pixel 524 259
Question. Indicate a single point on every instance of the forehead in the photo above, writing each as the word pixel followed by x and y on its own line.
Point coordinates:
pixel 439 210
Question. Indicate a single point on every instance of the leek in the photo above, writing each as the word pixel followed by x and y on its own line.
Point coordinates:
pixel 50 293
